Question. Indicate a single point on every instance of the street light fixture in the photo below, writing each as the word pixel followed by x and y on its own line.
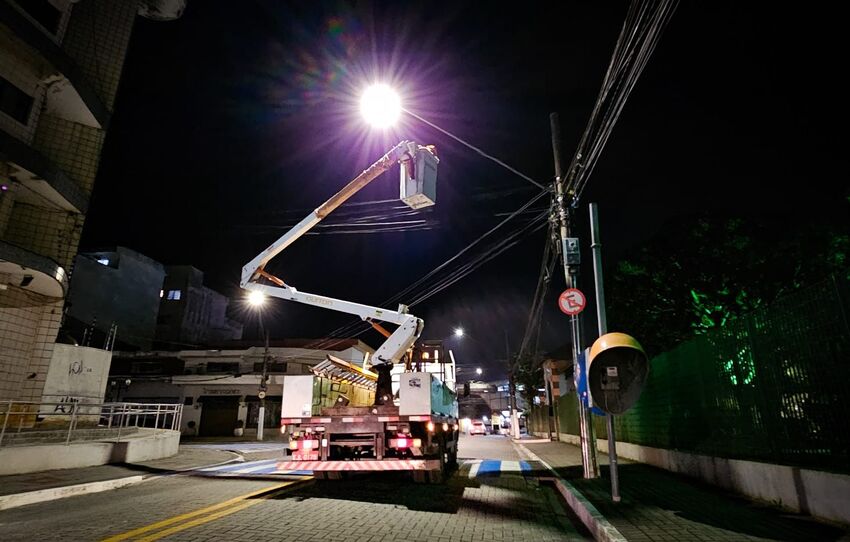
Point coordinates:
pixel 478 371
pixel 380 105
pixel 459 332
pixel 256 298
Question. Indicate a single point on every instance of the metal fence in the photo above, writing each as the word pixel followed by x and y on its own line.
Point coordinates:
pixel 772 386
pixel 27 423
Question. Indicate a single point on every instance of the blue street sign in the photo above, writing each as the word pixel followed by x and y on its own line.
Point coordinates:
pixel 581 383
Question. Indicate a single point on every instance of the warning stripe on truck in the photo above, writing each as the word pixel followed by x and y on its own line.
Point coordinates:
pixel 359 419
pixel 360 466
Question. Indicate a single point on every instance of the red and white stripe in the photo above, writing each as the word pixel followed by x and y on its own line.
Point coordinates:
pixel 361 466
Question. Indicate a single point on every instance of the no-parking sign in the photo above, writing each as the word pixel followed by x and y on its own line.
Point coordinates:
pixel 572 301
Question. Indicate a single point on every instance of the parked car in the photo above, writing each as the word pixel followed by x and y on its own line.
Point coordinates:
pixel 478 428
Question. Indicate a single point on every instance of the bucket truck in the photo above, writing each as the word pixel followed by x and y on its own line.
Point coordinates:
pixel 345 417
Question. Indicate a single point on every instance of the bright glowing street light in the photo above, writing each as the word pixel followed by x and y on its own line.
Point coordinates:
pixel 459 332
pixel 478 371
pixel 380 105
pixel 256 299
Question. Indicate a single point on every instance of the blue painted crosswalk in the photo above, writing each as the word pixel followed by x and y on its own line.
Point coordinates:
pixel 492 467
pixel 478 468
pixel 263 467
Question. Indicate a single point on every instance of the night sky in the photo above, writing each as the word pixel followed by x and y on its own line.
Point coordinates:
pixel 235 121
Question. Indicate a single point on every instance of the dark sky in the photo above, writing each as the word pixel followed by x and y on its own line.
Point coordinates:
pixel 238 119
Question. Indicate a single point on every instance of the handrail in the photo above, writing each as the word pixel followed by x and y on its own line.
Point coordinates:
pixel 42 418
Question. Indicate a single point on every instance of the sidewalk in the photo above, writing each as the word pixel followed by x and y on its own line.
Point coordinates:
pixel 20 489
pixel 658 505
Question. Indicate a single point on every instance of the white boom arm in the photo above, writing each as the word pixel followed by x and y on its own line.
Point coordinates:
pixel 410 327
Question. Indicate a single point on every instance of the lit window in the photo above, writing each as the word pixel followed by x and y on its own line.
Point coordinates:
pixel 174 295
pixel 103 261
pixel 161 294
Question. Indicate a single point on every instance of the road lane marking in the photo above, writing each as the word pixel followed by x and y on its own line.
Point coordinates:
pixel 209 509
pixel 200 521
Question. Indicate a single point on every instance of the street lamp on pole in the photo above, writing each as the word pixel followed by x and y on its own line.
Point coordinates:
pixel 257 300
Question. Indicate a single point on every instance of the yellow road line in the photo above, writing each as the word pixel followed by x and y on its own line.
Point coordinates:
pixel 199 512
pixel 199 521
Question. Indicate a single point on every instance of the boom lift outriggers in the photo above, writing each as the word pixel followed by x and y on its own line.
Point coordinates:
pixel 383 431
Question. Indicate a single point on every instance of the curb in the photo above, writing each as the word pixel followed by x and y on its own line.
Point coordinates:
pixel 41 495
pixel 596 523
pixel 51 494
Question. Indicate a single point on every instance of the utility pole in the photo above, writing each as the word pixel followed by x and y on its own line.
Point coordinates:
pixel 569 251
pixel 261 393
pixel 512 390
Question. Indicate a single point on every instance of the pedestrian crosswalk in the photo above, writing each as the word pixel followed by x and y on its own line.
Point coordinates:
pixel 472 468
pixel 493 467
pixel 263 467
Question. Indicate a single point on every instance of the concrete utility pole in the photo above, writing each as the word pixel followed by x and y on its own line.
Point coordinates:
pixel 511 390
pixel 569 251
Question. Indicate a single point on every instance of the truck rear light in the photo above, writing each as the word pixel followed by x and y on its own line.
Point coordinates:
pixel 282 429
pixel 310 444
pixel 293 444
pixel 417 443
pixel 401 443
pixel 430 426
pixel 445 427
pixel 324 443
pixel 455 427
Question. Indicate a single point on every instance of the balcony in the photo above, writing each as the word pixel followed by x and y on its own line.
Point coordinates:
pixel 71 96
pixel 31 272
pixel 43 182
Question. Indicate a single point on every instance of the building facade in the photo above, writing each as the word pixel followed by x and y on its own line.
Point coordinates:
pixel 192 314
pixel 114 291
pixel 60 66
pixel 219 388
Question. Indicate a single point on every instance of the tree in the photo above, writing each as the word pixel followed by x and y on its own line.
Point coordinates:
pixel 703 271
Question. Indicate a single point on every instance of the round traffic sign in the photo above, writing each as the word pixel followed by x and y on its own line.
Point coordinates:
pixel 572 301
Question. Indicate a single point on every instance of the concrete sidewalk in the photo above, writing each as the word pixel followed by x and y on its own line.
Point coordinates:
pixel 22 489
pixel 658 505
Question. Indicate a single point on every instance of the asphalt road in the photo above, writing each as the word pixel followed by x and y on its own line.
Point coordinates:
pixel 492 496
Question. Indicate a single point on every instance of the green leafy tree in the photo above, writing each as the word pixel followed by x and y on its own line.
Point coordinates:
pixel 703 271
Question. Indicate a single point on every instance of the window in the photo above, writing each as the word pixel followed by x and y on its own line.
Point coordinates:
pixel 174 295
pixel 44 12
pixel 222 367
pixel 146 367
pixel 15 102
pixel 274 367
pixel 103 261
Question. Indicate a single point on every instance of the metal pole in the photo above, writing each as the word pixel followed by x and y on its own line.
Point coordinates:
pixel 511 390
pixel 262 391
pixel 588 439
pixel 71 424
pixel 596 247
pixel 5 421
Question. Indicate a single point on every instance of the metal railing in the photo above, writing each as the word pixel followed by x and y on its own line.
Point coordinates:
pixel 28 422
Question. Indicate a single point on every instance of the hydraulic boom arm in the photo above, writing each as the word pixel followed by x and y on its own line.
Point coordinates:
pixel 410 327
